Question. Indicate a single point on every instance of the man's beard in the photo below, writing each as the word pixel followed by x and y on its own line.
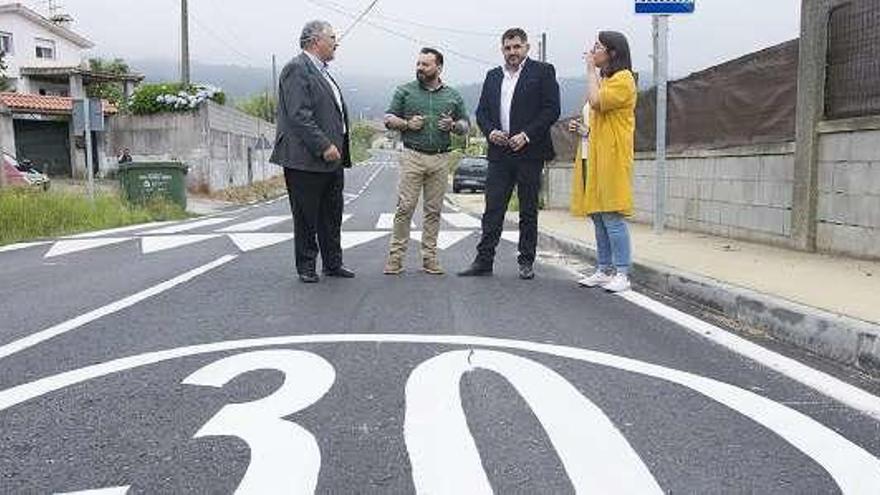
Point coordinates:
pixel 423 77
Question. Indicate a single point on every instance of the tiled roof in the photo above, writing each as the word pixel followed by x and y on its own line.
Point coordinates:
pixel 57 105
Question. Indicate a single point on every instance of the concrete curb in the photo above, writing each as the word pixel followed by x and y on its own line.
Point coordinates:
pixel 843 339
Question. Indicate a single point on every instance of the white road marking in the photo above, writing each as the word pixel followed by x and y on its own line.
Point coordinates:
pixel 346 217
pixel 22 245
pixel 72 324
pixel 61 248
pixel 121 230
pixel 511 236
pixel 445 239
pixel 386 222
pixel 185 227
pixel 444 455
pixel 462 220
pixel 354 239
pixel 854 469
pixel 252 242
pixel 258 224
pixel 118 490
pixel 821 382
pixel 155 244
pixel 285 457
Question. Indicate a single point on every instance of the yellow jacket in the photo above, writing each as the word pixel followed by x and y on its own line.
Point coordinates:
pixel 611 153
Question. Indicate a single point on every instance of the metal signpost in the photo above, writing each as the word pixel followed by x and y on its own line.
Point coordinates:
pixel 661 10
pixel 88 116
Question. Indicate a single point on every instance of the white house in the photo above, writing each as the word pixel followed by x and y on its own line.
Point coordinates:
pixel 46 63
pixel 31 43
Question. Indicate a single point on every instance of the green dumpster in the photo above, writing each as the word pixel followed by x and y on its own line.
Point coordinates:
pixel 145 181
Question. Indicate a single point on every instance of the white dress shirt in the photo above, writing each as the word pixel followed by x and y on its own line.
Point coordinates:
pixel 337 94
pixel 508 88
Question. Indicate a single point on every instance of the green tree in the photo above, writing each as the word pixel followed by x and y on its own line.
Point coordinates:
pixel 261 106
pixel 4 80
pixel 110 91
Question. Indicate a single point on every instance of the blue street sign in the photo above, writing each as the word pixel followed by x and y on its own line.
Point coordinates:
pixel 665 6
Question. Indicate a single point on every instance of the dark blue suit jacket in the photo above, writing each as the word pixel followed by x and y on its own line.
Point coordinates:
pixel 534 110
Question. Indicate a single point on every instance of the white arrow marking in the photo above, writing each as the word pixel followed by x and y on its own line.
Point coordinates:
pixel 258 224
pixel 511 236
pixel 23 245
pixel 386 222
pixel 354 239
pixel 252 242
pixel 176 229
pixel 151 245
pixel 61 248
pixel 595 454
pixel 445 239
pixel 120 230
pixel 462 220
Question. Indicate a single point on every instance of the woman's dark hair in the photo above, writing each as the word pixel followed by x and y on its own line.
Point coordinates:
pixel 618 52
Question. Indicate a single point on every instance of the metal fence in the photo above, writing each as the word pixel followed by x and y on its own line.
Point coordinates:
pixel 853 72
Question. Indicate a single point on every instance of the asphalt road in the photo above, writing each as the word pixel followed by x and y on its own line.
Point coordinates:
pixel 187 358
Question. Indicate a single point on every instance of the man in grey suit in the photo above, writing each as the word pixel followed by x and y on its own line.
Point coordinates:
pixel 312 144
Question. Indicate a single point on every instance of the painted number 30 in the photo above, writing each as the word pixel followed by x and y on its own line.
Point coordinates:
pixel 285 458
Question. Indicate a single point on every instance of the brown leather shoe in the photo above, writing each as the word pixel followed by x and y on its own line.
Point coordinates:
pixel 432 267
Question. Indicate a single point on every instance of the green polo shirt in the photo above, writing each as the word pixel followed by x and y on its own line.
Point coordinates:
pixel 413 99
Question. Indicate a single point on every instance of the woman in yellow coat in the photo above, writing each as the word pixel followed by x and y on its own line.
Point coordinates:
pixel 608 196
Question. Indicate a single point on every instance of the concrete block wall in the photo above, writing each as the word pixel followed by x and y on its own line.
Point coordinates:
pixel 743 192
pixel 213 141
pixel 849 189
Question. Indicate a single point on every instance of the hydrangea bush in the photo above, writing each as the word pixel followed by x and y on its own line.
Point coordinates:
pixel 156 98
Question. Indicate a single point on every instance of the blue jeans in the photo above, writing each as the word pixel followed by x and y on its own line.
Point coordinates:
pixel 612 242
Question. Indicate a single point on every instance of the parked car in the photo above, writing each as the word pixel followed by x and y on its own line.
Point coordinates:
pixel 23 174
pixel 470 174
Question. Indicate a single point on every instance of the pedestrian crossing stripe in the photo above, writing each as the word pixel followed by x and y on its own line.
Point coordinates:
pixel 255 225
pixel 445 239
pixel 155 244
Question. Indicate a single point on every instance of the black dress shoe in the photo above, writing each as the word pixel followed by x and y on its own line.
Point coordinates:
pixel 309 278
pixel 477 270
pixel 341 272
pixel 526 272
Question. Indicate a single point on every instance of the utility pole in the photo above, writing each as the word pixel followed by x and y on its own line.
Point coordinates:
pixel 184 43
pixel 543 47
pixel 661 77
pixel 274 77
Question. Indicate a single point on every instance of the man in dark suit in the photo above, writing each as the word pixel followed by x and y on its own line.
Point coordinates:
pixel 312 144
pixel 518 105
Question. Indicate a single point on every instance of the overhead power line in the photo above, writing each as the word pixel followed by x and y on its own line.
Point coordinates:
pixel 457 53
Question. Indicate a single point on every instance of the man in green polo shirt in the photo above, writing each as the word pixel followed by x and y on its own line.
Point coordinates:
pixel 426 112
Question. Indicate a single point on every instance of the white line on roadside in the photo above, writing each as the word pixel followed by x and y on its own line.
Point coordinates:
pixel 821 382
pixel 72 324
pixel 23 245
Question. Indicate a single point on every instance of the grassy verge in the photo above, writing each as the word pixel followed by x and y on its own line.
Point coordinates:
pixel 26 215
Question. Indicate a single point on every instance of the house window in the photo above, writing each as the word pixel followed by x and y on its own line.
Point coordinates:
pixel 6 43
pixel 45 49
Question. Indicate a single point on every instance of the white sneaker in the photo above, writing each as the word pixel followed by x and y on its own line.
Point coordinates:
pixel 597 279
pixel 619 283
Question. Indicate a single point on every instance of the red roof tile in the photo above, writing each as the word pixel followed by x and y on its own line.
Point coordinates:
pixel 63 105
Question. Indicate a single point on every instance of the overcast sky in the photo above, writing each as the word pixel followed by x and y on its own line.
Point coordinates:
pixel 248 32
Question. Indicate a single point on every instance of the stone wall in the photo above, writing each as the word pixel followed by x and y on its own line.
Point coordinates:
pixel 222 146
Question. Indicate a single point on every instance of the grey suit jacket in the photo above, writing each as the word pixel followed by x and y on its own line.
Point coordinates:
pixel 309 120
